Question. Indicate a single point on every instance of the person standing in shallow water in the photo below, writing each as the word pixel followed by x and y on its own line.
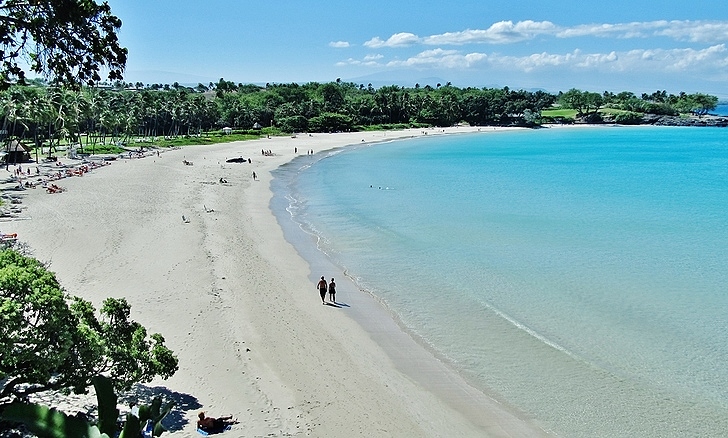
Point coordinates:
pixel 332 291
pixel 322 289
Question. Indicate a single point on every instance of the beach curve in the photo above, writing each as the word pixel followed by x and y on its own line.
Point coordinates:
pixel 236 303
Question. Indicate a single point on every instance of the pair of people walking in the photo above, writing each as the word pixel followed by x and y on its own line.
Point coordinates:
pixel 323 287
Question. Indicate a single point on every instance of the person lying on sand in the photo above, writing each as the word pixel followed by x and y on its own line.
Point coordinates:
pixel 212 423
pixel 54 189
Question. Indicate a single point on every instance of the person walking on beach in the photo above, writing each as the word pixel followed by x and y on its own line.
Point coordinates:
pixel 255 176
pixel 322 289
pixel 332 291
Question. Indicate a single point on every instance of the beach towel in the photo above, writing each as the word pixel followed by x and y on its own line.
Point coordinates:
pixel 213 431
pixel 148 431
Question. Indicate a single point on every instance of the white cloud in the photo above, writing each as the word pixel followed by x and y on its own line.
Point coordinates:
pixel 440 59
pixel 714 58
pixel 697 31
pixel 507 32
pixel 502 32
pixel 366 62
pixel 685 30
pixel 534 61
pixel 401 39
pixel 339 44
pixel 605 30
pixel 711 61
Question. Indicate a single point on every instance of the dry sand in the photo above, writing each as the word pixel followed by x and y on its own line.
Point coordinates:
pixel 237 303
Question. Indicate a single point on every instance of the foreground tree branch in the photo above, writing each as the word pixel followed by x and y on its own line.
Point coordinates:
pixel 66 41
pixel 69 344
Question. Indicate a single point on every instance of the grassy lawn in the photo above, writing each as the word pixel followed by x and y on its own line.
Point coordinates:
pixel 568 113
pixel 180 141
pixel 194 140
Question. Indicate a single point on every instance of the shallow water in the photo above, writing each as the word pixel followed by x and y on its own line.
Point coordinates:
pixel 577 273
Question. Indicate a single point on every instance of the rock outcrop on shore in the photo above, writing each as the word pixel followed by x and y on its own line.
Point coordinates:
pixel 656 120
pixel 715 121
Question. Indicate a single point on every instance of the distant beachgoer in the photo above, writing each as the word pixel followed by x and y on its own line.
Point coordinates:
pixel 332 291
pixel 255 176
pixel 295 150
pixel 322 289
pixel 212 423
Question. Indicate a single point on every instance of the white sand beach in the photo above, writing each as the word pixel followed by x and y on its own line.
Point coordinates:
pixel 237 304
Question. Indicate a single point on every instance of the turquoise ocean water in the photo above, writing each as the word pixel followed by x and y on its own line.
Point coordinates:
pixel 580 275
pixel 721 110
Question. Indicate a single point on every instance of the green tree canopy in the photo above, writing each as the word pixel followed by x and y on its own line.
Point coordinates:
pixel 584 102
pixel 699 103
pixel 65 40
pixel 51 341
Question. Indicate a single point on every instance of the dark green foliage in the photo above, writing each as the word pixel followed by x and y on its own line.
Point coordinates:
pixel 292 124
pixel 585 103
pixel 628 118
pixel 50 423
pixel 156 413
pixel 108 413
pixel 46 422
pixel 698 103
pixel 331 122
pixel 49 340
pixel 68 41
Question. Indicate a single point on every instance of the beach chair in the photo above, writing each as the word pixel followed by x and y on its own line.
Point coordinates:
pixel 9 237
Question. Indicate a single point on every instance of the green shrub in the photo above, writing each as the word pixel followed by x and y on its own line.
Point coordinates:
pixel 628 118
pixel 52 341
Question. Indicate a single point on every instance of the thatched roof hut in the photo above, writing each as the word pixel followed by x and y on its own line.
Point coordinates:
pixel 16 152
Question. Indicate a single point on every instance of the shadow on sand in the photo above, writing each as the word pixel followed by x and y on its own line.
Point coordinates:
pixel 183 403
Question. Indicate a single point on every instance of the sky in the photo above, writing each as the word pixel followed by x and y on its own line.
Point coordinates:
pixel 616 45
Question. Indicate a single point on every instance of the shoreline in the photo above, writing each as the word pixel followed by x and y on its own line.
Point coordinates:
pixel 236 303
pixel 407 351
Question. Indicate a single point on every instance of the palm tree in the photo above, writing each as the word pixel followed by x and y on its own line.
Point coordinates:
pixel 94 108
pixel 11 115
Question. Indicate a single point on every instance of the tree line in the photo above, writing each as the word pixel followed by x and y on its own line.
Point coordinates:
pixel 630 106
pixel 47 115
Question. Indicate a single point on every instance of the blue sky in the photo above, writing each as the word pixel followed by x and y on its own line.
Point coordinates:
pixel 616 45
